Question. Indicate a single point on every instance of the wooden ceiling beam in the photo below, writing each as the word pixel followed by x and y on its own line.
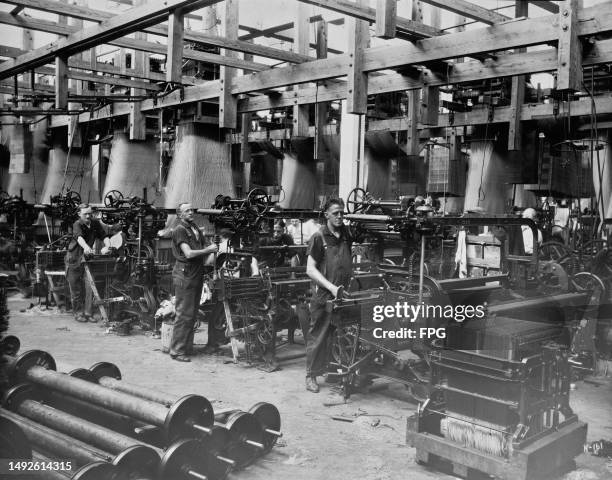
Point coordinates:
pixel 540 30
pixel 506 65
pixel 126 42
pixel 469 10
pixel 254 33
pixel 386 18
pixel 127 22
pixel 408 28
pixel 102 79
pixel 546 5
pixel 87 66
pixel 90 14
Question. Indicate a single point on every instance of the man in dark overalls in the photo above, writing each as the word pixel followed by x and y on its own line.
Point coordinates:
pixel 85 231
pixel 188 247
pixel 329 267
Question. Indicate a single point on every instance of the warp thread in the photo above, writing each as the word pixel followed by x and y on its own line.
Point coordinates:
pixel 478 437
pixel 200 169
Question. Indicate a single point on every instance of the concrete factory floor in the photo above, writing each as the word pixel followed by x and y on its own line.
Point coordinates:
pixel 314 446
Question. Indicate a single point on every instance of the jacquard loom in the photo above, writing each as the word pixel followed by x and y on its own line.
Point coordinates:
pixel 500 402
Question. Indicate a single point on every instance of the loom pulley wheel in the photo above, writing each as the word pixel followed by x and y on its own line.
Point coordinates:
pixel 356 200
pixel 257 201
pixel 112 198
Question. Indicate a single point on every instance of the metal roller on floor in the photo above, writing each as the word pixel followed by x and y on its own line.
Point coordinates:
pixel 248 438
pixel 10 345
pixel 13 441
pixel 268 416
pixel 62 446
pixel 214 438
pixel 96 471
pixel 97 414
pixel 189 413
pixel 91 471
pixel 214 443
pixel 151 459
pixel 83 374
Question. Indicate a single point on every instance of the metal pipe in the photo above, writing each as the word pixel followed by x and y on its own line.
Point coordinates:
pixel 79 428
pixel 366 217
pixel 140 409
pixel 153 395
pixel 166 398
pixel 109 419
pixel 210 211
pixel 146 393
pixel 56 443
pixel 130 454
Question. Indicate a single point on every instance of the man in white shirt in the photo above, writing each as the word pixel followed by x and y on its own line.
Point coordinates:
pixel 531 214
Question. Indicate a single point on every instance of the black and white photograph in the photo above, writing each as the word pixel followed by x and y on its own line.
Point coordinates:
pixel 305 239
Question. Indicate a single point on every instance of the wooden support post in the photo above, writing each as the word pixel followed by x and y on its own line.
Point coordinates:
pixel 569 70
pixel 81 86
pixel 454 141
pixel 27 44
pixel 245 146
pixel 174 61
pixel 430 99
pixel 414 97
pixel 228 103
pixel 61 82
pixel 517 94
pixel 417 11
pixel 137 122
pixel 430 105
pixel 140 63
pixel 321 154
pixel 412 139
pixel 386 15
pixel 245 153
pixel 301 45
pixel 357 79
pixel 351 151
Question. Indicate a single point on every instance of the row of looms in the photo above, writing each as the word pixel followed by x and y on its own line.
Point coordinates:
pixel 468 140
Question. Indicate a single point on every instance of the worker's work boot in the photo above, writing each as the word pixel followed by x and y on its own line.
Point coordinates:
pixel 312 385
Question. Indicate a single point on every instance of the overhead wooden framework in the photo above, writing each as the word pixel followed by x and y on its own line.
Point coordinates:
pixel 90 14
pixel 469 10
pixel 126 42
pixel 406 28
pixel 117 26
pixel 426 62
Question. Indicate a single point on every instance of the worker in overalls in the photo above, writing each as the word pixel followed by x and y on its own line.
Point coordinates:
pixel 85 231
pixel 329 267
pixel 188 247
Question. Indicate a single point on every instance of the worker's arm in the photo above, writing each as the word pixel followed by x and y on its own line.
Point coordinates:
pixel 191 253
pixel 316 276
pixel 87 250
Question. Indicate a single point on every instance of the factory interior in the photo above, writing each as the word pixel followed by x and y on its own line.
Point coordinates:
pixel 306 239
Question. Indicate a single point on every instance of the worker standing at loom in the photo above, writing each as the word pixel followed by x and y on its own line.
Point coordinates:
pixel 188 247
pixel 85 231
pixel 329 266
pixel 528 240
